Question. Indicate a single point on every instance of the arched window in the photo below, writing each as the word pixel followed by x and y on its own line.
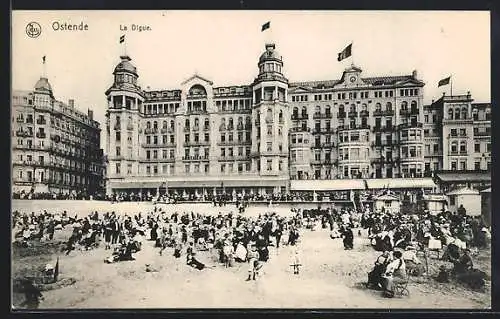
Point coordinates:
pixel 464 113
pixel 364 107
pixel 388 106
pixel 187 124
pixel 341 108
pixel 172 125
pixel 196 122
pixel 248 120
pixel 414 107
pixel 222 124
pixel 353 108
pixel 304 111
pixel 378 107
pixel 280 116
pixel 450 114
pixel 317 110
pixel 457 113
pixel 129 122
pixel 269 116
pixel 404 105
pixel 207 123
pixel 240 120
pixel 148 124
pixel 327 110
pixel 155 125
pixel 164 124
pixel 295 112
pixel 463 147
pixel 230 123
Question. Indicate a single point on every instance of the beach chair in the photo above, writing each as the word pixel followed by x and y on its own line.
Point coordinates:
pixel 401 287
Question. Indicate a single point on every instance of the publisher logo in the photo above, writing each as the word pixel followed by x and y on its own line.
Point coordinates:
pixel 33 29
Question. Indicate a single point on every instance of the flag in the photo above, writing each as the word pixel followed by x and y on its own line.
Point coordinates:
pixel 43 59
pixel 122 39
pixel 444 81
pixel 56 270
pixel 345 53
pixel 266 26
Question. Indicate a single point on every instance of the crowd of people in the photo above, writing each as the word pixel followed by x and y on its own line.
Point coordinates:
pixel 237 238
pixel 80 195
pixel 400 237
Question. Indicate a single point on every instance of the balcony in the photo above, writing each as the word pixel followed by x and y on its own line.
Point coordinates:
pixel 352 114
pixel 24 134
pixel 195 158
pixel 384 128
pixel 322 116
pixel 382 160
pixel 482 133
pixel 364 113
pixel 353 127
pixel 19 120
pixel 410 125
pixel 41 121
pixel 383 113
pixel 459 153
pixel 41 135
pixel 300 116
pixel 341 115
pixel 197 143
pixel 300 129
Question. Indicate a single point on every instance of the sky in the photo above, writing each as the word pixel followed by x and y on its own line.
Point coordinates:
pixel 224 47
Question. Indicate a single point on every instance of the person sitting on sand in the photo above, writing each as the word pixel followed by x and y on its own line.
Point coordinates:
pixel 193 262
pixel 395 272
pixel 375 279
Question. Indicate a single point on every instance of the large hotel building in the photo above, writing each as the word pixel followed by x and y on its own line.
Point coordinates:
pixel 55 147
pixel 275 135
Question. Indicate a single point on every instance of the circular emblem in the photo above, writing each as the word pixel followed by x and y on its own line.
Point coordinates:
pixel 33 29
pixel 353 78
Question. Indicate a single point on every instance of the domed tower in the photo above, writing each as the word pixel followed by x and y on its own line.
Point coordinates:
pixel 271 116
pixel 125 99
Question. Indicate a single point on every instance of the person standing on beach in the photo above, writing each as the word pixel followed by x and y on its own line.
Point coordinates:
pixel 32 295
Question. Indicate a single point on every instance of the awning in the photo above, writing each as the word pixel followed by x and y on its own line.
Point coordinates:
pixel 435 198
pixel 464 176
pixel 199 182
pixel 327 185
pixel 386 197
pixel 464 191
pixel 397 183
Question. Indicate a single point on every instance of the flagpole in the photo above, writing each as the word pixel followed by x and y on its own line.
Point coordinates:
pixel 44 70
pixel 451 84
pixel 352 55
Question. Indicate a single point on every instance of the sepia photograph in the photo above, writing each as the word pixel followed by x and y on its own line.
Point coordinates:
pixel 250 159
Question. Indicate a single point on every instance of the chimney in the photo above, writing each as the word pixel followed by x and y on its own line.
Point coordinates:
pixel 414 74
pixel 90 114
pixel 71 103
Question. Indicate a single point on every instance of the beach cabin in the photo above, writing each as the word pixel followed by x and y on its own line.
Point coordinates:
pixel 486 206
pixel 434 203
pixel 469 198
pixel 387 202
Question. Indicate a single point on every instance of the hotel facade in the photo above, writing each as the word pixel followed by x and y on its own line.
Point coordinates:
pixel 273 135
pixel 55 147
